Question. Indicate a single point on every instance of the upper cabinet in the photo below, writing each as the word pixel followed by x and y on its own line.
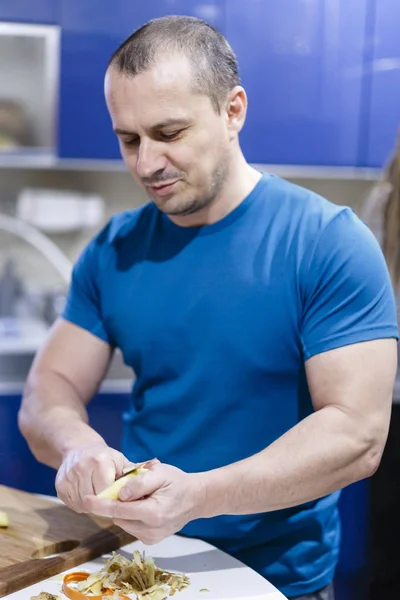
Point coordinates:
pixel 322 76
pixel 383 72
pixel 91 31
pixel 30 11
pixel 28 90
pixel 301 63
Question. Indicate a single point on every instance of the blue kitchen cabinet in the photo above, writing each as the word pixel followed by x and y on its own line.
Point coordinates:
pixel 44 12
pixel 91 31
pixel 19 468
pixel 383 72
pixel 301 65
pixel 353 570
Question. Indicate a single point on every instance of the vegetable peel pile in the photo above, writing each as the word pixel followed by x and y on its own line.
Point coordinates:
pixel 139 576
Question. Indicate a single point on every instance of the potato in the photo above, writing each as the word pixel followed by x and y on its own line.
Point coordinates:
pixel 4 521
pixel 112 491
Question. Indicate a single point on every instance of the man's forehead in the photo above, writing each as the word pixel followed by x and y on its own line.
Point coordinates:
pixel 142 101
pixel 167 71
pixel 166 74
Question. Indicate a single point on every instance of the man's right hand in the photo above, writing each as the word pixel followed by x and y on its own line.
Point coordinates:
pixel 86 471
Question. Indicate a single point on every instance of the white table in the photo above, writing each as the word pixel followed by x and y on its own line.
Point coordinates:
pixel 224 577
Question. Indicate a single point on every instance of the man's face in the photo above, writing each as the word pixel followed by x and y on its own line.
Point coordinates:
pixel 172 140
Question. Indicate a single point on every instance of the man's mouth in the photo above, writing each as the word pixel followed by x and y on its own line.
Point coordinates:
pixel 163 188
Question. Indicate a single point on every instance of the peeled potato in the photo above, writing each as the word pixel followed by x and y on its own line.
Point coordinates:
pixel 4 521
pixel 112 491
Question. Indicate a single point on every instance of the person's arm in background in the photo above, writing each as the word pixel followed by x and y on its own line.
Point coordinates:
pixel 380 212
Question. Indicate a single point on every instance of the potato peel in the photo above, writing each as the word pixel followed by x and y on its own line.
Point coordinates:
pixel 139 576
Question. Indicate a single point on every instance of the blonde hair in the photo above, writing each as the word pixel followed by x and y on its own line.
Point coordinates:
pixel 391 217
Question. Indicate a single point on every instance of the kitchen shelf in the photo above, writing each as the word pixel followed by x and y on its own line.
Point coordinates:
pixel 108 386
pixel 43 161
pixel 16 346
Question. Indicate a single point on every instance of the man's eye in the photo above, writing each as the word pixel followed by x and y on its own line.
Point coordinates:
pixel 170 136
pixel 131 142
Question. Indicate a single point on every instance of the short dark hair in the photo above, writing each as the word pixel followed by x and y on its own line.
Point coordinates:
pixel 214 63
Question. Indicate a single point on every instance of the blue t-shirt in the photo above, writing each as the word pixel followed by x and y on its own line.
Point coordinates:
pixel 217 322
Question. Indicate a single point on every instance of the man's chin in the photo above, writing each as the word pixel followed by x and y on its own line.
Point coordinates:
pixel 175 208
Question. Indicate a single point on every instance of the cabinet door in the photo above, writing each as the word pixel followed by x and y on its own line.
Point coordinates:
pixel 30 11
pixel 91 31
pixel 301 64
pixel 18 467
pixel 383 69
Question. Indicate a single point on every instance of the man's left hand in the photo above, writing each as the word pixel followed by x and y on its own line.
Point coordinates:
pixel 154 505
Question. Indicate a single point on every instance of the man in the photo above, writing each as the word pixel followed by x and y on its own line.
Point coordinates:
pixel 258 318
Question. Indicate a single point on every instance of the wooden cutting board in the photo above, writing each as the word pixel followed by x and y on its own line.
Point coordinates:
pixel 40 528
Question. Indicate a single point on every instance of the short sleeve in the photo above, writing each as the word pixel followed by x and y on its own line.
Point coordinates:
pixel 347 292
pixel 83 306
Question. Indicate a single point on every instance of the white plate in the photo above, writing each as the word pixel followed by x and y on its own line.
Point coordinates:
pixel 224 577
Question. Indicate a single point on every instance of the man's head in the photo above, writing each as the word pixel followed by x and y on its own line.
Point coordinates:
pixel 172 89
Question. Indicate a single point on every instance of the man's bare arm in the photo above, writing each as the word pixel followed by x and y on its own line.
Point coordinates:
pixel 341 442
pixel 64 377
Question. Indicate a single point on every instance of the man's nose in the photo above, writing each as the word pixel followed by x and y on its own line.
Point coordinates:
pixel 150 159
